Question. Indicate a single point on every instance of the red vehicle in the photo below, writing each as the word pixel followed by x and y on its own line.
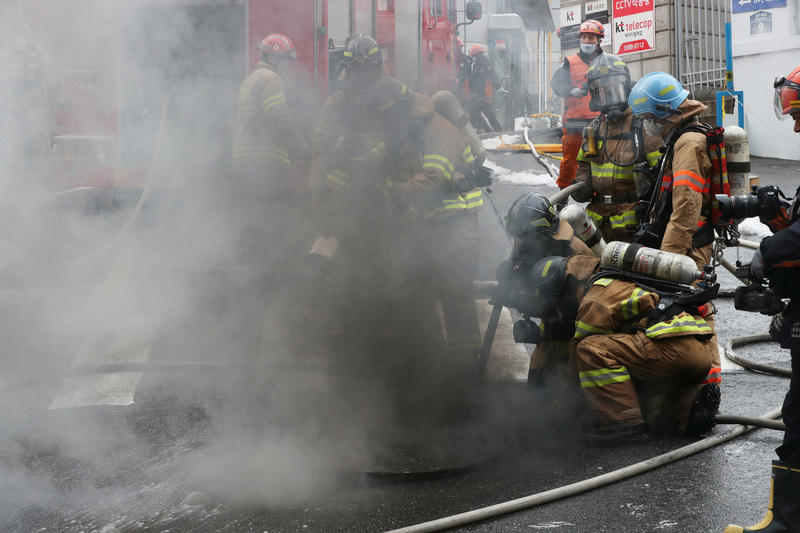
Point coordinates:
pixel 153 83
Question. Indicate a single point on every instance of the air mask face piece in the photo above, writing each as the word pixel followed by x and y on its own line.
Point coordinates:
pixel 588 48
pixel 651 128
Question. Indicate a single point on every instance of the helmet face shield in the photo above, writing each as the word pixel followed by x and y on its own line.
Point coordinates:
pixel 609 91
pixel 787 98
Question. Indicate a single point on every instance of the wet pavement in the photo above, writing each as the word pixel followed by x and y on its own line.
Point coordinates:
pixel 140 402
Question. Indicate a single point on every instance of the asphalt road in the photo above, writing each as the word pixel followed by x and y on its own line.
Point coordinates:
pixel 155 392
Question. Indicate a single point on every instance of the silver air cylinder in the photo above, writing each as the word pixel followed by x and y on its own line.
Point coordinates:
pixel 584 227
pixel 447 105
pixel 650 262
pixel 737 150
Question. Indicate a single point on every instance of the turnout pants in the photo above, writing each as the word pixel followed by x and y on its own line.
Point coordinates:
pixel 571 144
pixel 613 367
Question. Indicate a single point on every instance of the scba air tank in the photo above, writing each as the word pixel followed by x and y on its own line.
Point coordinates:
pixel 737 154
pixel 447 105
pixel 584 228
pixel 650 262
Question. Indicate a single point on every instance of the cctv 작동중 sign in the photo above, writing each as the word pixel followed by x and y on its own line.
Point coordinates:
pixel 634 26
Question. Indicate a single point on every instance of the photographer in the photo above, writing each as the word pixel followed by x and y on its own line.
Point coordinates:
pixel 778 259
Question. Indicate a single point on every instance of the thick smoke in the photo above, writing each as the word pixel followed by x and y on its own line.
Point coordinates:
pixel 145 354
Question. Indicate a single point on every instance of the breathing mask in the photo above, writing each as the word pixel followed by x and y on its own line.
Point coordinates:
pixel 651 128
pixel 587 48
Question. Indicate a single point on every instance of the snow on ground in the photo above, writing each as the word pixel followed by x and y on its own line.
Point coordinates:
pixel 753 229
pixel 528 177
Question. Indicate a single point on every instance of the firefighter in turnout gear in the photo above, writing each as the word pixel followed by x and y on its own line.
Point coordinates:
pixel 538 232
pixel 343 128
pixel 611 150
pixel 430 164
pixel 27 92
pixel 347 175
pixel 625 343
pixel 683 203
pixel 777 259
pixel 266 139
pixel 569 82
pixel 483 82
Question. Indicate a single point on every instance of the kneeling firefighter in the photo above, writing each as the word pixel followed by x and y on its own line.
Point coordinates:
pixel 614 148
pixel 434 181
pixel 638 342
pixel 642 345
pixel 538 232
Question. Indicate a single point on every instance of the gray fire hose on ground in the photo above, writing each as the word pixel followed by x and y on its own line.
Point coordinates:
pixel 582 486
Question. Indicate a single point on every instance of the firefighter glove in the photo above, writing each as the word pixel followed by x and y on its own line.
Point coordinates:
pixel 757 266
pixel 576 92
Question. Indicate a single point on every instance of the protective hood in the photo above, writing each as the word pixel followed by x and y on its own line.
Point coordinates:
pixel 689 110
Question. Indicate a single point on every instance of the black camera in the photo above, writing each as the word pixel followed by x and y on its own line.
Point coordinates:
pixel 764 202
pixel 526 331
pixel 757 299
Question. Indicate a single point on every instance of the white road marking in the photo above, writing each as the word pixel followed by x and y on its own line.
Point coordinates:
pixel 124 339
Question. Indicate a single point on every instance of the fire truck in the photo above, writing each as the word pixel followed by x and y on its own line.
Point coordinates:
pixel 153 83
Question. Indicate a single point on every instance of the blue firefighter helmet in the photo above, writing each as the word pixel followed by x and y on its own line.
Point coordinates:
pixel 657 93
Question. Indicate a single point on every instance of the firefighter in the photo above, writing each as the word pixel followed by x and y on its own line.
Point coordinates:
pixel 569 82
pixel 27 93
pixel 430 162
pixel 346 171
pixel 538 232
pixel 777 258
pixel 624 343
pixel 342 126
pixel 463 69
pixel 266 139
pixel 611 149
pixel 483 82
pixel 684 198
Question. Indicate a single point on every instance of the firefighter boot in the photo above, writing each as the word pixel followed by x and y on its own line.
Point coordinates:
pixel 783 515
pixel 704 410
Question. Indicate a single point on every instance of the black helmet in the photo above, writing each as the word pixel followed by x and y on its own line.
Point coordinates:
pixel 609 82
pixel 362 50
pixel 546 283
pixel 530 214
pixel 389 99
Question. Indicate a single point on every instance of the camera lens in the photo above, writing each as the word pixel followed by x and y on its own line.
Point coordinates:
pixel 737 207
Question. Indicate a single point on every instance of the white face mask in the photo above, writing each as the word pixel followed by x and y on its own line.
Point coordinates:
pixel 651 128
pixel 588 48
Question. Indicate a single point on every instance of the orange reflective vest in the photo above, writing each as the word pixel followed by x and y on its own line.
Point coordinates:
pixel 578 108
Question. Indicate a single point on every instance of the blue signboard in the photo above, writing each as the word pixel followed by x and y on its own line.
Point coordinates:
pixel 740 6
pixel 760 22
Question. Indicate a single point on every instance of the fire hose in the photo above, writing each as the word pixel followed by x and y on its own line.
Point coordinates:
pixel 580 487
pixel 746 424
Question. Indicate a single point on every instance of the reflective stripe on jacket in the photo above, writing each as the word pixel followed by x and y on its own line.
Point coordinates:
pixel 611 180
pixel 610 303
pixel 264 127
pixel 690 171
pixel 429 182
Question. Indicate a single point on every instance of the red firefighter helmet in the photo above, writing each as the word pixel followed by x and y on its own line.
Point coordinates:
pixel 593 27
pixel 279 45
pixel 787 95
pixel 476 49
